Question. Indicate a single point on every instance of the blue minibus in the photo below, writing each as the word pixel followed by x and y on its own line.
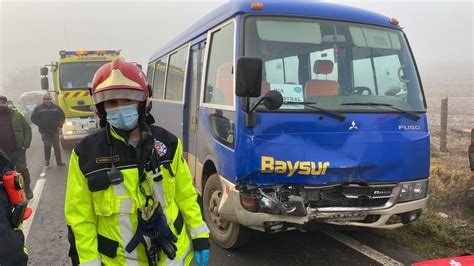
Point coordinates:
pixel 295 113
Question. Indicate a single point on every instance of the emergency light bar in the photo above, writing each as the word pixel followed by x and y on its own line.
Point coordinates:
pixel 64 53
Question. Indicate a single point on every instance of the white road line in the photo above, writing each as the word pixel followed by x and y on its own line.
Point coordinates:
pixel 33 204
pixel 366 250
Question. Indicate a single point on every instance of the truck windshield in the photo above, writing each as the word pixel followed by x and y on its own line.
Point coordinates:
pixel 75 76
pixel 332 63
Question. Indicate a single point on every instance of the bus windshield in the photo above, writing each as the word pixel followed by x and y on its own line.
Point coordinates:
pixel 340 66
pixel 75 76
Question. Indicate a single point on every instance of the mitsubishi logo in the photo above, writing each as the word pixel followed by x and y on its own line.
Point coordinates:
pixel 353 126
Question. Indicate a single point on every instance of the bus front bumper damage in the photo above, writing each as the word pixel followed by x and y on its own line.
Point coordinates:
pixel 295 212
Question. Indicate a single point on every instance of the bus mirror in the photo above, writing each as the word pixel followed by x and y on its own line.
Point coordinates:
pixel 44 71
pixel 249 77
pixel 44 83
pixel 273 100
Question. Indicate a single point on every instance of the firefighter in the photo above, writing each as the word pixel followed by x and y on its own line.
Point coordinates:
pixel 130 197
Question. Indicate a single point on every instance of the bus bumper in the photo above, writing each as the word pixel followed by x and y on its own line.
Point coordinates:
pixel 391 217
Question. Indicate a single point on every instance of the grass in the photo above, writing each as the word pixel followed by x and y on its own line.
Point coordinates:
pixel 450 190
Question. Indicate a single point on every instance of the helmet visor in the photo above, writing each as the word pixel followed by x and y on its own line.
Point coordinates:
pixel 111 94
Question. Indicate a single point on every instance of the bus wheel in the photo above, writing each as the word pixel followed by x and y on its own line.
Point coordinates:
pixel 226 234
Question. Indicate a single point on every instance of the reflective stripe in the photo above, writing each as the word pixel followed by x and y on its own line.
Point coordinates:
pixel 126 232
pixel 127 166
pixel 179 262
pixel 126 206
pixel 92 262
pixel 98 170
pixel 199 230
pixel 120 190
pixel 160 195
pixel 108 168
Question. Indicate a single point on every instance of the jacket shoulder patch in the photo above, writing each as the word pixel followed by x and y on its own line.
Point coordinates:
pixel 160 148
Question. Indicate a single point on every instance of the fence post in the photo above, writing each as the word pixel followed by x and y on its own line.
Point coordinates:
pixel 444 125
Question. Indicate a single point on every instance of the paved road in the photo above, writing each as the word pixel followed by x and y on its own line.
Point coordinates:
pixel 47 235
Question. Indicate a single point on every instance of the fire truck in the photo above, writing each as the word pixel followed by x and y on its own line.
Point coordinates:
pixel 72 77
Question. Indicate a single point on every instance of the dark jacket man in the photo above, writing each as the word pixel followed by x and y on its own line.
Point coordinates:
pixel 15 138
pixel 49 118
pixel 12 249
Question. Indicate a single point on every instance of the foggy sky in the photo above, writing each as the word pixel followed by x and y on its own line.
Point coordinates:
pixel 440 33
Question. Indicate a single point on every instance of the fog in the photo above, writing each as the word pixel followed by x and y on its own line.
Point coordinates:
pixel 32 33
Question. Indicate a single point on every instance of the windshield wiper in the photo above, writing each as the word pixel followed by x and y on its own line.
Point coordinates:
pixel 339 116
pixel 413 115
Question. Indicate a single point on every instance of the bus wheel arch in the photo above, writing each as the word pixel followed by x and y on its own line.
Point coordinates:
pixel 208 169
pixel 226 234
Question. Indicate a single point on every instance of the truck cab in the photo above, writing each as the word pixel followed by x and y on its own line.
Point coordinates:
pixel 72 77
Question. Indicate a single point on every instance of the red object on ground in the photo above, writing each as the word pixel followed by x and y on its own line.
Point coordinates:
pixel 454 261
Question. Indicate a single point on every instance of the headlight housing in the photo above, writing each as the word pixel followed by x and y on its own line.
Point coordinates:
pixel 414 190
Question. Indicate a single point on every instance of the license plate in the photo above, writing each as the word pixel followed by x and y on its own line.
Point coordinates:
pixel 345 217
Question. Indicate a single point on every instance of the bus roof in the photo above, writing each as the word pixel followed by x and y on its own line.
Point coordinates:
pixel 314 9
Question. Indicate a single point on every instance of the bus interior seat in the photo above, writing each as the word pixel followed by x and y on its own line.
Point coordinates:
pixel 322 87
pixel 224 85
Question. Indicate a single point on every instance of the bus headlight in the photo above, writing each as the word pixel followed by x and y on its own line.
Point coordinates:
pixel 413 190
pixel 69 123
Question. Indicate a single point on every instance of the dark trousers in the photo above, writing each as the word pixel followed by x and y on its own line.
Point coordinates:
pixel 18 158
pixel 48 140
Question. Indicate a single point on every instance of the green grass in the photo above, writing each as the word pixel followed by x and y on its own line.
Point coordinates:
pixel 433 237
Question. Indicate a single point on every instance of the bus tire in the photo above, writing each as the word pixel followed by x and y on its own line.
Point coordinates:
pixel 226 234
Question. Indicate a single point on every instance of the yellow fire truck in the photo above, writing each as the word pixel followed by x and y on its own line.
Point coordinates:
pixel 72 77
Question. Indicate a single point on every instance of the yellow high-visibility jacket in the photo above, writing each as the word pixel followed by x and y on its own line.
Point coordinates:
pixel 102 217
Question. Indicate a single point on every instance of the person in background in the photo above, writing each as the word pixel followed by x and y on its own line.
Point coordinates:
pixel 15 138
pixel 50 119
pixel 12 244
pixel 129 196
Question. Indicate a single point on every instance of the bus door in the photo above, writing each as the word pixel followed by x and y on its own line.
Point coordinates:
pixel 196 60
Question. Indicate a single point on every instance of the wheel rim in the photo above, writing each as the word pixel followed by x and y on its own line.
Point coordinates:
pixel 220 224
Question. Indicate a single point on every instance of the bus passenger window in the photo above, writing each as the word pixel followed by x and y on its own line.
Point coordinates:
pixel 220 76
pixel 149 74
pixel 159 79
pixel 175 76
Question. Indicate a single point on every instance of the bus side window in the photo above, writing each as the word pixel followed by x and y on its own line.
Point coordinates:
pixel 224 79
pixel 175 75
pixel 149 74
pixel 159 79
pixel 219 73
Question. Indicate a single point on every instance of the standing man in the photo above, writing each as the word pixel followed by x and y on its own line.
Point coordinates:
pixel 15 138
pixel 129 197
pixel 50 119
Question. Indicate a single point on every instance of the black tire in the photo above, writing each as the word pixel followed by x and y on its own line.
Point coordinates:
pixel 226 234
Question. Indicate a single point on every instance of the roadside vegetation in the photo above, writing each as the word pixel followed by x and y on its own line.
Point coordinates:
pixel 446 227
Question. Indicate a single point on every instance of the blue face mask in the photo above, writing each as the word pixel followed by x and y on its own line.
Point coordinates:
pixel 123 117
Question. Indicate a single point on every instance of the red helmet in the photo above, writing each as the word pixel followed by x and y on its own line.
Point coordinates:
pixel 119 80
